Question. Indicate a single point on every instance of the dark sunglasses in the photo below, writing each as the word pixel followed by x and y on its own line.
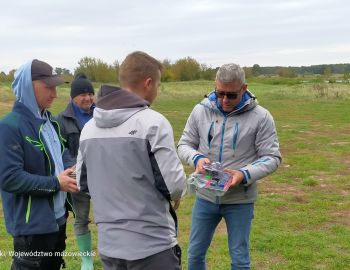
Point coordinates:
pixel 229 95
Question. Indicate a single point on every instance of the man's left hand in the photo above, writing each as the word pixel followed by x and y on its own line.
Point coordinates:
pixel 237 177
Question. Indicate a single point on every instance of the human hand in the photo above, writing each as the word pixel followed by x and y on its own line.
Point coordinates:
pixel 67 183
pixel 200 163
pixel 237 177
pixel 74 173
pixel 176 204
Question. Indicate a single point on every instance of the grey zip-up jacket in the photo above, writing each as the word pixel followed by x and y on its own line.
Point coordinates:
pixel 245 140
pixel 133 172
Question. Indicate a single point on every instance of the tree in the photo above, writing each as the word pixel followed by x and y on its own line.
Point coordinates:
pixel 256 70
pixel 287 72
pixel 186 69
pixel 97 70
pixel 62 71
pixel 3 76
pixel 327 71
pixel 11 75
pixel 87 65
pixel 167 72
pixel 116 67
pixel 207 73
pixel 248 72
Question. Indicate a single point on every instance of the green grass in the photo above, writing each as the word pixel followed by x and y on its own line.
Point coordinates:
pixel 302 216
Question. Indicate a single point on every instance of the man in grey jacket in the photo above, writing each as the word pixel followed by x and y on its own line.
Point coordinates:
pixel 133 172
pixel 228 126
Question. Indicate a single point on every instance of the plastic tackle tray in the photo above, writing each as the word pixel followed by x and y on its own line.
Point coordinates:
pixel 214 179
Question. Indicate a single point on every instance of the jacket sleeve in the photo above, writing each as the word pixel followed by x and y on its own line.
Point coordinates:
pixel 269 156
pixel 60 121
pixel 68 159
pixel 81 173
pixel 170 178
pixel 13 177
pixel 78 168
pixel 189 141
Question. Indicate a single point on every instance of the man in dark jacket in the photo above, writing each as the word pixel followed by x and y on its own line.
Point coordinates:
pixel 33 181
pixel 79 111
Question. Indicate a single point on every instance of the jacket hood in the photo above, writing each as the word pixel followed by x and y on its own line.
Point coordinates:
pixel 247 103
pixel 22 87
pixel 115 105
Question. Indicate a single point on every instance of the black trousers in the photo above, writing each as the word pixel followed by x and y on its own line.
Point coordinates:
pixel 40 251
pixel 169 259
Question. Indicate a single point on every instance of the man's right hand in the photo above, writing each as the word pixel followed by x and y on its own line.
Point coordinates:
pixel 200 163
pixel 67 183
pixel 176 204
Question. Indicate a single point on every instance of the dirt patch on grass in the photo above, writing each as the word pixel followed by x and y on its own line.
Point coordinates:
pixel 339 143
pixel 269 260
pixel 270 188
pixel 346 161
pixel 341 217
pixel 331 189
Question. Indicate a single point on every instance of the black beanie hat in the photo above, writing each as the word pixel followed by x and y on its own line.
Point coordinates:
pixel 81 85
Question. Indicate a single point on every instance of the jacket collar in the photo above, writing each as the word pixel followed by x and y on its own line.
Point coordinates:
pixel 69 111
pixel 247 103
pixel 21 109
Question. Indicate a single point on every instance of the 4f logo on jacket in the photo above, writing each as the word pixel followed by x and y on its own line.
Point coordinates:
pixel 133 132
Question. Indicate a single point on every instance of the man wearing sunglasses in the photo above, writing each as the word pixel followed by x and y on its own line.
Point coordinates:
pixel 230 127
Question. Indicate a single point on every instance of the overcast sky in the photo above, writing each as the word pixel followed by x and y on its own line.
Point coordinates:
pixel 214 32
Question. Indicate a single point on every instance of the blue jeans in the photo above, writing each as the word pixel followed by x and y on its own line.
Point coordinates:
pixel 205 218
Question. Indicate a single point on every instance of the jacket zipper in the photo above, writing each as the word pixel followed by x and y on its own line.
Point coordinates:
pixel 222 138
pixel 47 155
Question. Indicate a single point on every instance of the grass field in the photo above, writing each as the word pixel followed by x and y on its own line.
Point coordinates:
pixel 302 216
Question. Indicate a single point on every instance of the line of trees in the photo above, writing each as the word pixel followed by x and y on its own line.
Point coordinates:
pixel 291 72
pixel 188 69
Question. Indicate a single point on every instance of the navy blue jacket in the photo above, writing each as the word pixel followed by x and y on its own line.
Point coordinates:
pixel 27 180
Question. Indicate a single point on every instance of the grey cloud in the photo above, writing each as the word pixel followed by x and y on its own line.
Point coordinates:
pixel 270 32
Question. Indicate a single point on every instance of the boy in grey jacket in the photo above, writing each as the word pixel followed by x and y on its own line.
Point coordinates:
pixel 229 127
pixel 133 172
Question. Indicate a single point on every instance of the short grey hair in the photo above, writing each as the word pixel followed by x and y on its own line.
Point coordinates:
pixel 228 73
